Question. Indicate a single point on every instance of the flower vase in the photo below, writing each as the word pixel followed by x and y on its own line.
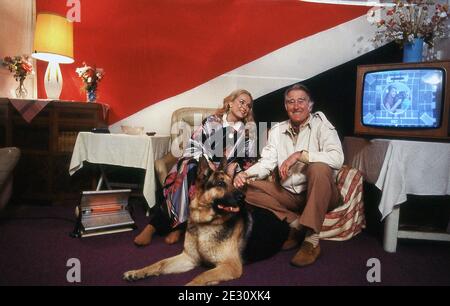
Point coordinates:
pixel 21 91
pixel 412 52
pixel 91 95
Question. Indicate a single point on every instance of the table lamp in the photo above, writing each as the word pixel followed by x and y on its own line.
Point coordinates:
pixel 53 43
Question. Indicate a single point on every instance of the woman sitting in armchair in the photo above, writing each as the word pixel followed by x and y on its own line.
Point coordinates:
pixel 230 132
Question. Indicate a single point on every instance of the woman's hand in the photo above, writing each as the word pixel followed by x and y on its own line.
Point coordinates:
pixel 240 180
pixel 287 164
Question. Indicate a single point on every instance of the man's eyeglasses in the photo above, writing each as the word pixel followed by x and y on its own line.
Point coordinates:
pixel 300 101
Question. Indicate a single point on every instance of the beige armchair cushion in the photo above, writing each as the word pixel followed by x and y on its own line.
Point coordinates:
pixel 163 166
pixel 191 114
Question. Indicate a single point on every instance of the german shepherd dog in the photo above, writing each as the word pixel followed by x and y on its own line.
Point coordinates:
pixel 222 232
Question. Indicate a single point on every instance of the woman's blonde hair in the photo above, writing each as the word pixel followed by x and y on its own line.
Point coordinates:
pixel 233 95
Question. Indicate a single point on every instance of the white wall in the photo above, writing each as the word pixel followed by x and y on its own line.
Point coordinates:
pixel 16 38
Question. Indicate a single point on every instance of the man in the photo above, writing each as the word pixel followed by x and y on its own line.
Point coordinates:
pixel 307 150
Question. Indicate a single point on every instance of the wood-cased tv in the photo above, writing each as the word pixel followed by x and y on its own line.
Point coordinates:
pixel 403 100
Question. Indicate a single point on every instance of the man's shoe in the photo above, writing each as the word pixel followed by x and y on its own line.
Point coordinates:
pixel 306 255
pixel 292 240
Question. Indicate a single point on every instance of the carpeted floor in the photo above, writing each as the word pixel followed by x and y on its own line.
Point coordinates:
pixel 35 248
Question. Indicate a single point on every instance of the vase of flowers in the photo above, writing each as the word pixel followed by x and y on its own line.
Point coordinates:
pixel 21 67
pixel 91 95
pixel 21 91
pixel 412 51
pixel 90 76
pixel 412 23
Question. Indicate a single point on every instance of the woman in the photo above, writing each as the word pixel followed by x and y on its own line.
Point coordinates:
pixel 389 98
pixel 230 132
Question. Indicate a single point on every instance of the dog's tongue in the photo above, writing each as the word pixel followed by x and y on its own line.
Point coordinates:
pixel 229 208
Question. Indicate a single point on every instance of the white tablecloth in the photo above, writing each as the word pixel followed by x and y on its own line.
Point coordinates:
pixel 121 150
pixel 407 167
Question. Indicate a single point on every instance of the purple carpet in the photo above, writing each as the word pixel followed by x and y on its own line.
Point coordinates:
pixel 35 248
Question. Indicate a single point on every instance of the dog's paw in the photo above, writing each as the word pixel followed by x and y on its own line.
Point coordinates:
pixel 202 283
pixel 133 275
pixel 195 283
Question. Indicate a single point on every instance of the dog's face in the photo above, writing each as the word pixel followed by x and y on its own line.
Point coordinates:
pixel 216 199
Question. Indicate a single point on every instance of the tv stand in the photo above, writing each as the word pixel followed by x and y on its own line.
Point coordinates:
pixel 392 232
pixel 398 168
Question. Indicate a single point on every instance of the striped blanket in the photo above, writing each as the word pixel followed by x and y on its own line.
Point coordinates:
pixel 348 219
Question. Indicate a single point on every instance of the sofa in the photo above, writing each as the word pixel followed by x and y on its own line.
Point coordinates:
pixel 340 224
pixel 8 160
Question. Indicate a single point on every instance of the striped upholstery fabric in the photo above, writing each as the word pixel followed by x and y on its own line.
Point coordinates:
pixel 348 219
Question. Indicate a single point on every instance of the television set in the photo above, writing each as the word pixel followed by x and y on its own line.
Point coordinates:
pixel 403 100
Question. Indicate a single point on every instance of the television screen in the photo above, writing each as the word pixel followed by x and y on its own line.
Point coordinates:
pixel 403 98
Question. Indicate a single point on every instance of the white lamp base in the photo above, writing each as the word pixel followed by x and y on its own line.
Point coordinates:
pixel 53 81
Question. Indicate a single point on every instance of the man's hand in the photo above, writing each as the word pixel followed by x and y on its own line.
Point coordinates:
pixel 240 180
pixel 287 164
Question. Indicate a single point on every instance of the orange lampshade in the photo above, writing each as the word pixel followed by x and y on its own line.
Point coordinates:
pixel 53 39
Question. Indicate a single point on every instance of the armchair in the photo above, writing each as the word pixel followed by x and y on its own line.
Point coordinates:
pixel 180 136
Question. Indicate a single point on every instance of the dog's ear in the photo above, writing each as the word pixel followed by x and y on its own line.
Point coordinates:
pixel 223 164
pixel 230 169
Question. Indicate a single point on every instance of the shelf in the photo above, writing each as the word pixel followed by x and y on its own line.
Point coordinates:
pixel 46 144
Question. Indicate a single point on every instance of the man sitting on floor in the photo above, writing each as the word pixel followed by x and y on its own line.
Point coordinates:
pixel 307 150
